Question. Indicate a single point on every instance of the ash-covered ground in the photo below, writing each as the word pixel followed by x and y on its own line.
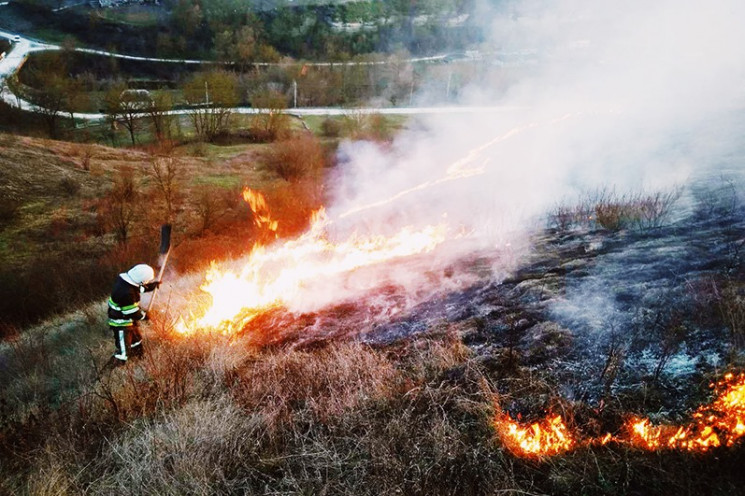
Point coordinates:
pixel 641 317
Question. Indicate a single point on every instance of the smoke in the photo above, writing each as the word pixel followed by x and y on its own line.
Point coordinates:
pixel 577 95
pixel 614 94
pixel 589 94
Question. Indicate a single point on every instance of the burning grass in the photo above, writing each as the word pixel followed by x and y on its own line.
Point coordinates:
pixel 721 423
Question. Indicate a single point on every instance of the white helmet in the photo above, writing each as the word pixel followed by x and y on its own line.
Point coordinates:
pixel 139 274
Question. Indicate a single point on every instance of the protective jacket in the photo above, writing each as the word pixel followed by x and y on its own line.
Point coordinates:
pixel 124 303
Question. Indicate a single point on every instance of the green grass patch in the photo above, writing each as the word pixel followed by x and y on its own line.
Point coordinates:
pixel 222 181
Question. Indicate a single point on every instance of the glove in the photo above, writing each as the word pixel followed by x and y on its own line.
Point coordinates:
pixel 151 286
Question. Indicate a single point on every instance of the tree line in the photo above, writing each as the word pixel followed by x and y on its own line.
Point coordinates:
pixel 64 82
pixel 245 32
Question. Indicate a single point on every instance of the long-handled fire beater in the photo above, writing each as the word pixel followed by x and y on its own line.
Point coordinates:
pixel 165 250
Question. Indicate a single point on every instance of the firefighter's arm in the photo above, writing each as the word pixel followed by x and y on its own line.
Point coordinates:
pixel 151 286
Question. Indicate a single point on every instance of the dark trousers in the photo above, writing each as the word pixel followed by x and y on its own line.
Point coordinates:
pixel 124 337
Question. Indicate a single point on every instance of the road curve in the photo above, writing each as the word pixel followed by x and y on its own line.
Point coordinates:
pixel 20 51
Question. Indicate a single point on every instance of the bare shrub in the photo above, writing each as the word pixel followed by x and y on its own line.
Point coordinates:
pixel 612 211
pixel 354 125
pixel 84 154
pixel 563 217
pixel 208 207
pixel 166 172
pixel 721 200
pixel 298 157
pixel 118 210
pixel 379 128
pixel 272 122
pixel 610 215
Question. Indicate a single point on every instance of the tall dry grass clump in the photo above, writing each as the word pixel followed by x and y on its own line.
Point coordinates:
pixel 195 449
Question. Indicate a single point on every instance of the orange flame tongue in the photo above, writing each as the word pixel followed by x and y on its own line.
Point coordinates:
pixel 550 436
pixel 721 423
pixel 259 207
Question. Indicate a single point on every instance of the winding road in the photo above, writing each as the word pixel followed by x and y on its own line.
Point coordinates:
pixel 22 47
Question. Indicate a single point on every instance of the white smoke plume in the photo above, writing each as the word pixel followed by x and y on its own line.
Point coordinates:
pixel 630 95
pixel 616 94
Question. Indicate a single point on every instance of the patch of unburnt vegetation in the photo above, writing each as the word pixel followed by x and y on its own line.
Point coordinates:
pixel 612 211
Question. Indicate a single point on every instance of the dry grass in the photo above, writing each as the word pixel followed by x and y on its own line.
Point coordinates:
pixel 212 415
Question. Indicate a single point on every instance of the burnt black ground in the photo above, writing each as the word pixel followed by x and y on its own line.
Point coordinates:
pixel 634 318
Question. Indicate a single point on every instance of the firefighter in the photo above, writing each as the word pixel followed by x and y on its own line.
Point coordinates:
pixel 125 311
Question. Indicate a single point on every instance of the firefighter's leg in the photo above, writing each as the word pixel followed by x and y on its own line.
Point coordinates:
pixel 136 336
pixel 120 343
pixel 136 341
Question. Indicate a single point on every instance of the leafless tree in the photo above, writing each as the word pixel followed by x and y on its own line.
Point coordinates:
pixel 165 172
pixel 212 96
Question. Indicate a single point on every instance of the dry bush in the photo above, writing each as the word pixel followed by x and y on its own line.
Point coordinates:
pixel 721 200
pixel 195 254
pixel 118 210
pixel 167 175
pixel 218 209
pixel 69 186
pixel 612 211
pixel 331 128
pixel 297 158
pixel 365 126
pixel 273 123
pixel 294 203
pixel 84 154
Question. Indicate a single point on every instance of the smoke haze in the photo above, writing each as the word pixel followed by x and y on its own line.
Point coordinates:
pixel 617 94
pixel 626 95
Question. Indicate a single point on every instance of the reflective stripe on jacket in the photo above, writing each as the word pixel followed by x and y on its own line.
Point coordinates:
pixel 124 304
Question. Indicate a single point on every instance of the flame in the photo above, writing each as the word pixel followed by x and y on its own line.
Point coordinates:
pixel 274 277
pixel 549 436
pixel 259 207
pixel 720 423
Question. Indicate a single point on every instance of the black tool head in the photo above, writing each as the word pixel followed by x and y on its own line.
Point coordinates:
pixel 165 238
